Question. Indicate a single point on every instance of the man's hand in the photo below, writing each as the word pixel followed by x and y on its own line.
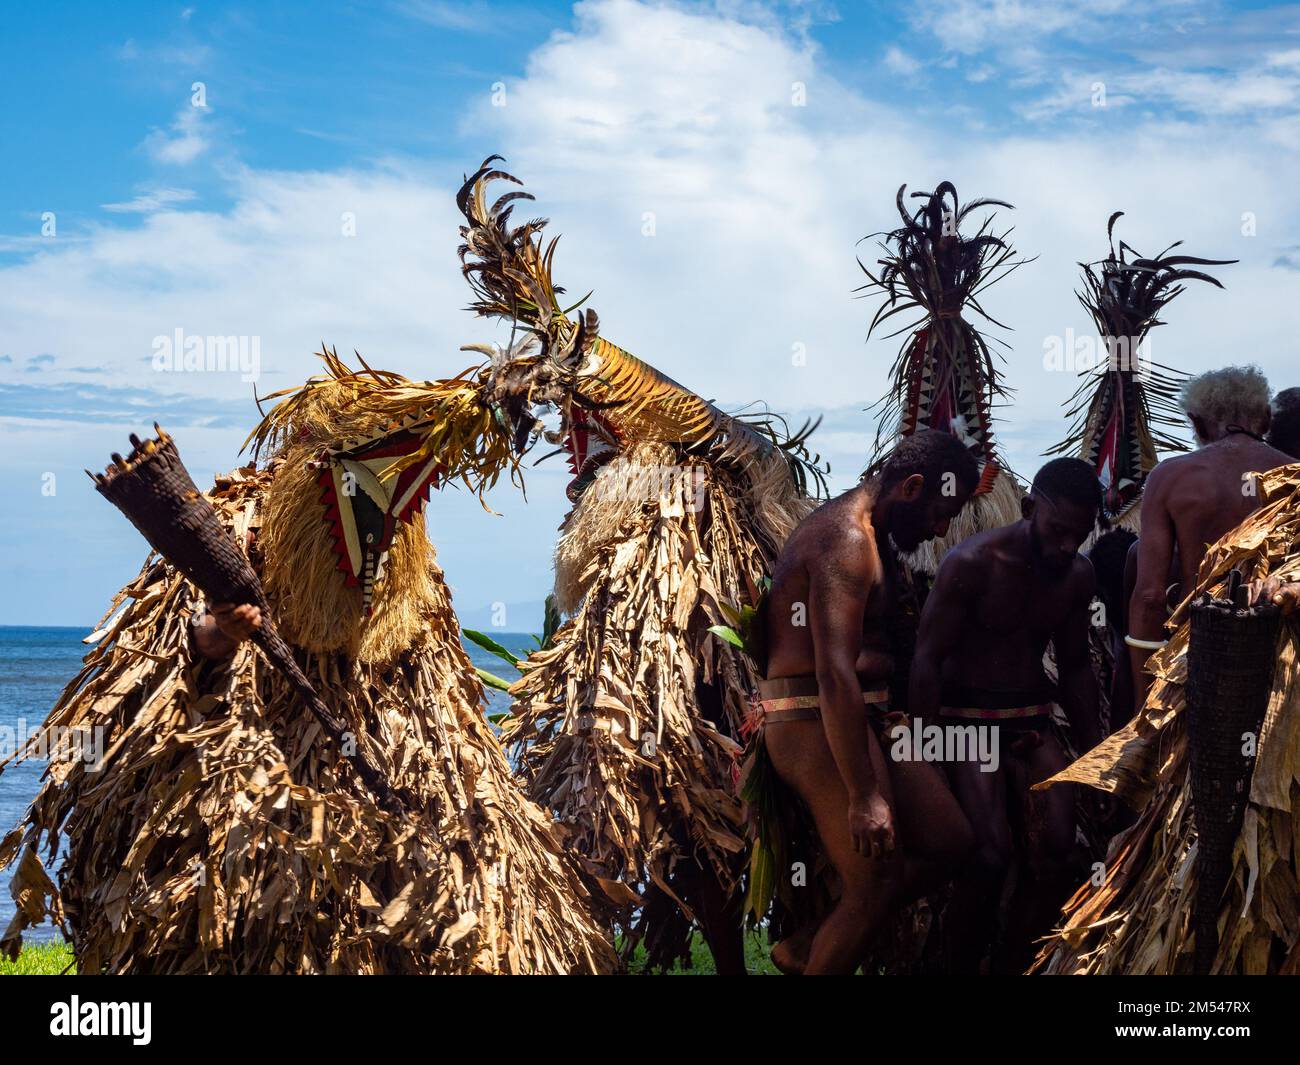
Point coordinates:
pixel 237 623
pixel 871 823
pixel 1280 593
pixel 225 627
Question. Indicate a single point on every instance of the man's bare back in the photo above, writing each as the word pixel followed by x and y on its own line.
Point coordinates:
pixel 1189 502
pixel 1206 493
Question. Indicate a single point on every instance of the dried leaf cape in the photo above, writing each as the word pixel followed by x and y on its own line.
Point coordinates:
pixel 945 376
pixel 220 832
pixel 1139 919
pixel 629 725
pixel 1125 409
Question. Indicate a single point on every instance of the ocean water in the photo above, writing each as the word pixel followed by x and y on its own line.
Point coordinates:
pixel 35 666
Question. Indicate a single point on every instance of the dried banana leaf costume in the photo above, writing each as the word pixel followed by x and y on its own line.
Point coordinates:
pixel 1124 411
pixel 629 725
pixel 224 832
pixel 945 376
pixel 1140 919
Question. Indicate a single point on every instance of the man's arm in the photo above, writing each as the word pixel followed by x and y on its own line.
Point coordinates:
pixel 945 614
pixel 839 587
pixel 223 629
pixel 1146 610
pixel 1076 682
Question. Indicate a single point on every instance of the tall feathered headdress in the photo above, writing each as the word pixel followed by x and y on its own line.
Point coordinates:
pixel 1124 409
pixel 945 376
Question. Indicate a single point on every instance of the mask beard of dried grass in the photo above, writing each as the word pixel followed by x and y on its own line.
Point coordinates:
pixel 316 606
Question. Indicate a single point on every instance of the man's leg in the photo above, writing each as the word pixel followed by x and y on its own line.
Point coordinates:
pixel 722 922
pixel 971 920
pixel 790 955
pixel 936 837
pixel 932 833
pixel 869 887
pixel 1051 880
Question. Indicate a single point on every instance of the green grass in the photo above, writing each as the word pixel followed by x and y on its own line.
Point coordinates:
pixel 51 959
pixel 40 959
pixel 756 958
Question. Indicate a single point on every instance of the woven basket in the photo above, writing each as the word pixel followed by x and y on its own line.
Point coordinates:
pixel 1230 660
pixel 152 487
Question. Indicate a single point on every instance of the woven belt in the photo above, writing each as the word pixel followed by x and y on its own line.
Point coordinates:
pixel 1010 713
pixel 797 699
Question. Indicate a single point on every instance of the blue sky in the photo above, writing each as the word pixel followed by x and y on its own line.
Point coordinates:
pixel 228 218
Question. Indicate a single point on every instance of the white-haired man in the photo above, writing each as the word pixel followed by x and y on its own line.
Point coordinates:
pixel 1191 500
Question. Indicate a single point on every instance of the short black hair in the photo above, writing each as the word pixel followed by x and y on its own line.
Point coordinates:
pixel 932 453
pixel 1071 480
pixel 1284 431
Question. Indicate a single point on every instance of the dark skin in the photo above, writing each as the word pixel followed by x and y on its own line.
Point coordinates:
pixel 224 628
pixel 891 829
pixel 999 598
pixel 220 631
pixel 1189 502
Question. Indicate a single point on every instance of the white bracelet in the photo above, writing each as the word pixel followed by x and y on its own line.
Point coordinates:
pixel 1145 645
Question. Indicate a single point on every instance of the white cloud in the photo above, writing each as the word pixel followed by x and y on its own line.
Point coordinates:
pixel 1150 54
pixel 1288 58
pixel 151 201
pixel 758 205
pixel 1250 94
pixel 971 26
pixel 899 62
pixel 183 143
pixel 472 16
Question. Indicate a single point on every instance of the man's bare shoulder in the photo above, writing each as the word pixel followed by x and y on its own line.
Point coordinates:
pixel 977 548
pixel 834 538
pixel 1271 458
pixel 1207 461
pixel 1178 474
pixel 1083 578
pixel 1166 469
pixel 968 559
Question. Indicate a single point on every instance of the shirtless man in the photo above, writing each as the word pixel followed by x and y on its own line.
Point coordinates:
pixel 1191 500
pixel 999 598
pixel 891 829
